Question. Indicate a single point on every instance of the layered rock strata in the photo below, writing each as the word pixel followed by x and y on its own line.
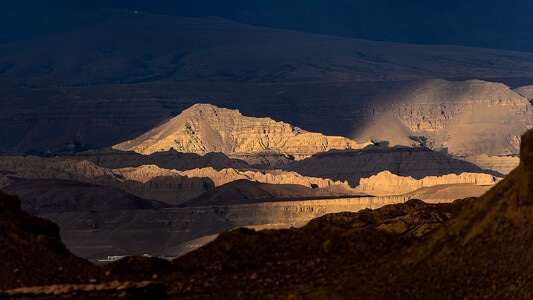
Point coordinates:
pixel 205 128
pixel 386 183
pixel 465 118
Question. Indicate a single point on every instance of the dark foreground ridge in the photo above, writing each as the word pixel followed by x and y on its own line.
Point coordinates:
pixel 472 248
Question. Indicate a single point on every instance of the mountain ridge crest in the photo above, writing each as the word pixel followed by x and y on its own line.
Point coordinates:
pixel 204 128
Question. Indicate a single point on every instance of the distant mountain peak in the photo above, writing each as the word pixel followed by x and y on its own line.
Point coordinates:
pixel 204 128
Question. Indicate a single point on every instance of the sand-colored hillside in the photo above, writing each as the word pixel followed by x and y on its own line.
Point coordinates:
pixel 464 118
pixel 385 183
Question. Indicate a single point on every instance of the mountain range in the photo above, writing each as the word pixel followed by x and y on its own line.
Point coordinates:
pixel 159 132
pixel 266 173
pixel 472 247
pixel 119 74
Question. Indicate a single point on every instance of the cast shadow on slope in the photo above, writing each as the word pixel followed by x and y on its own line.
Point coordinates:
pixel 352 165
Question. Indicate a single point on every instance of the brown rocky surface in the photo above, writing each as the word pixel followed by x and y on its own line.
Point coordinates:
pixel 205 128
pixel 316 261
pixel 32 252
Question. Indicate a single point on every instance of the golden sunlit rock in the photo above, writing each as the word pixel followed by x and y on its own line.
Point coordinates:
pixel 205 128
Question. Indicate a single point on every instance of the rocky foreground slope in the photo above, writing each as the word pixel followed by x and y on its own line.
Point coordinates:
pixel 474 248
pixel 32 252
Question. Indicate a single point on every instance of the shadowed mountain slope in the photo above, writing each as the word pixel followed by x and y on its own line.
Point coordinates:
pixel 352 165
pixel 55 195
pixel 483 251
pixel 247 192
pixel 32 252
pixel 118 74
pixel 171 159
pixel 163 185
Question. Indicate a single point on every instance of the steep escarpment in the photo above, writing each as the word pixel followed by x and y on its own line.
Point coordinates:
pixel 205 128
pixel 352 165
pixel 386 183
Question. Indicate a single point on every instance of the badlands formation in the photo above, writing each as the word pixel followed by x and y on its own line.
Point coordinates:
pixel 476 120
pixel 471 248
pixel 111 201
pixel 205 128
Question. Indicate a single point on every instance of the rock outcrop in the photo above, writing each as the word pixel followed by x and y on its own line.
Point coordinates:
pixel 205 128
pixel 269 176
pixel 385 183
pixel 503 164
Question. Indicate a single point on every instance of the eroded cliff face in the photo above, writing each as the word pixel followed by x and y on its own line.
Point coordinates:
pixel 334 173
pixel 386 183
pixel 145 181
pixel 205 128
pixel 465 118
